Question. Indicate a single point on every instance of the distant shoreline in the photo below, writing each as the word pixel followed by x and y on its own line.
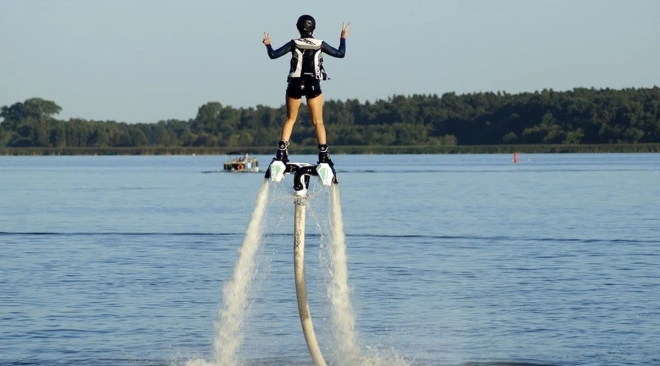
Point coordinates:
pixel 266 150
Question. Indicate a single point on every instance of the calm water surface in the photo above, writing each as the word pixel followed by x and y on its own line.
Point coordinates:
pixel 452 259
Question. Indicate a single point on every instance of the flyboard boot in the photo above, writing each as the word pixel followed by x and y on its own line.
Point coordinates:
pixel 277 167
pixel 325 168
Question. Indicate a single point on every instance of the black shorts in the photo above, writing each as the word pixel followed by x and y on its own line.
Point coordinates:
pixel 309 87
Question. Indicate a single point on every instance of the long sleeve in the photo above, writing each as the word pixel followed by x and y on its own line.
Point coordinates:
pixel 273 54
pixel 334 52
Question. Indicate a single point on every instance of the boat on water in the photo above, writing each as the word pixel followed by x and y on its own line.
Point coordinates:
pixel 242 164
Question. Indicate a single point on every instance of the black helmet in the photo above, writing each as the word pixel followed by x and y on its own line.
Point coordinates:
pixel 306 25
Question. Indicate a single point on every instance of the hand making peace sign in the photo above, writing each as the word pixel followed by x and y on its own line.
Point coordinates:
pixel 344 29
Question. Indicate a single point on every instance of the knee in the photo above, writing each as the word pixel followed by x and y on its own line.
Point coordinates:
pixel 317 121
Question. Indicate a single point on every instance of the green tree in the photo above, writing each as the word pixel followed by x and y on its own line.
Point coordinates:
pixel 578 116
pixel 510 138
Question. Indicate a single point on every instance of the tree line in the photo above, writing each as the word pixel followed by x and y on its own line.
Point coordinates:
pixel 574 117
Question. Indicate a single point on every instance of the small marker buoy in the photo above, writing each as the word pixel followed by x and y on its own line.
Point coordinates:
pixel 515 157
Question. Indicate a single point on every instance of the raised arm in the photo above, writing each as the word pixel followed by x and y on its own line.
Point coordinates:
pixel 334 52
pixel 341 52
pixel 278 52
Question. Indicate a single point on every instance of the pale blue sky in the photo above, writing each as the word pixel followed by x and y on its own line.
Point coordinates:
pixel 149 60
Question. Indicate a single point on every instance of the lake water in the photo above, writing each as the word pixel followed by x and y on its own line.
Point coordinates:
pixel 452 259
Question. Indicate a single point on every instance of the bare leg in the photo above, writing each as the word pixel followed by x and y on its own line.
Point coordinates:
pixel 292 107
pixel 316 110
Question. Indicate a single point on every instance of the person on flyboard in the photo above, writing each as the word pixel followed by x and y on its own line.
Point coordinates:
pixel 304 79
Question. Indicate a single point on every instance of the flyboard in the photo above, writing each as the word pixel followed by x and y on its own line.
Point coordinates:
pixel 302 173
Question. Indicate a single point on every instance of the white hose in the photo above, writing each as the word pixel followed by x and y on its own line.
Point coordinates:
pixel 301 285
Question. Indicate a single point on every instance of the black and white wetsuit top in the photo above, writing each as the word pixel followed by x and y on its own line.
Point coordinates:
pixel 307 56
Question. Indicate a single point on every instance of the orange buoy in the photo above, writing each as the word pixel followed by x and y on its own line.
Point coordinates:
pixel 515 157
pixel 239 167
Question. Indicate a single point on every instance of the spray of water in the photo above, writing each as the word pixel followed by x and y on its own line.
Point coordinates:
pixel 339 292
pixel 349 351
pixel 229 330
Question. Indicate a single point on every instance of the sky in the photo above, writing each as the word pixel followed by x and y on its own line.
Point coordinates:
pixel 152 60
